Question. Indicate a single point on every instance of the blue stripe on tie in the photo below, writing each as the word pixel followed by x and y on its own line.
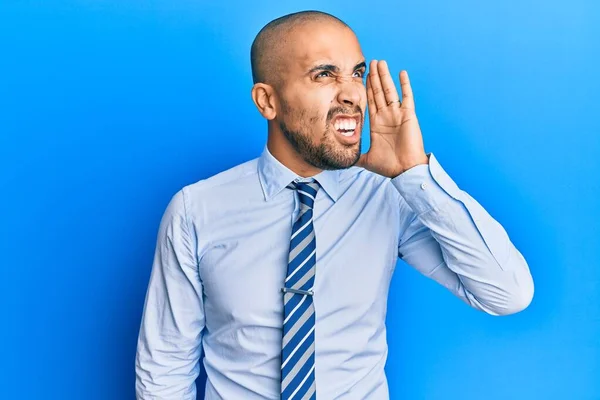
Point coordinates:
pixel 301 265
pixel 294 350
pixel 306 284
pixel 301 256
pixel 308 189
pixel 292 303
pixel 297 339
pixel 301 376
pixel 308 381
pixel 296 251
pixel 294 343
pixel 305 198
pixel 305 307
pixel 304 269
pixel 306 230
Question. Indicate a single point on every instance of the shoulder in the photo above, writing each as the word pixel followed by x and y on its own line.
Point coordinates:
pixel 225 179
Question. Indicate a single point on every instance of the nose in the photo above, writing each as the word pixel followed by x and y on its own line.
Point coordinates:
pixel 349 92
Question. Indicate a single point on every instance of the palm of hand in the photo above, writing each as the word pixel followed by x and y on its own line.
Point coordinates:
pixel 396 140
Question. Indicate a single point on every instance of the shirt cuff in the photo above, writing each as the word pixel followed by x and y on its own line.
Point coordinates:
pixel 426 186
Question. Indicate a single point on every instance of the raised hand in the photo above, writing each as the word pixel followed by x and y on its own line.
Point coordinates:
pixel 396 140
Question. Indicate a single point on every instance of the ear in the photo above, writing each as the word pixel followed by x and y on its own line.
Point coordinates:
pixel 263 96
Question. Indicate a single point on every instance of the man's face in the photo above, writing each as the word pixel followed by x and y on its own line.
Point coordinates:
pixel 323 96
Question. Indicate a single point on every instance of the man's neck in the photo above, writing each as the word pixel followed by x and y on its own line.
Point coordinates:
pixel 283 151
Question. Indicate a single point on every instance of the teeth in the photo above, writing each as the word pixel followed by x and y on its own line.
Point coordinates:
pixel 348 124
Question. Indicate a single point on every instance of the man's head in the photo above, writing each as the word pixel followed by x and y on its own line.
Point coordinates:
pixel 308 71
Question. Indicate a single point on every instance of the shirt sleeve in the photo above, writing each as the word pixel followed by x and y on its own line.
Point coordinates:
pixel 169 342
pixel 450 238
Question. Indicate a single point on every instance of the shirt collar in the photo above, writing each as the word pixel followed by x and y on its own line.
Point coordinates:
pixel 274 177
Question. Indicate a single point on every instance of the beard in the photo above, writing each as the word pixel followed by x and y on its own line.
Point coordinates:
pixel 329 154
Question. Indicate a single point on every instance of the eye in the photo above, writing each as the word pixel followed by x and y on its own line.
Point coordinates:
pixel 320 74
pixel 360 73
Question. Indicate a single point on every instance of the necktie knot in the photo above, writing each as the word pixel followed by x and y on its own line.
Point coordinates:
pixel 307 191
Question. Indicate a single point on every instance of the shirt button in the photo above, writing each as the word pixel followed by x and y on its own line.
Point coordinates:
pixel 423 185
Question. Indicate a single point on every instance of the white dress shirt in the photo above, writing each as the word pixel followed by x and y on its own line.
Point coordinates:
pixel 221 258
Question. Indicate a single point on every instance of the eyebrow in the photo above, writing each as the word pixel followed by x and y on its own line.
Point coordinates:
pixel 335 68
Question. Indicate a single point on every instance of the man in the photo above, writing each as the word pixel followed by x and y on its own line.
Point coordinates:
pixel 279 268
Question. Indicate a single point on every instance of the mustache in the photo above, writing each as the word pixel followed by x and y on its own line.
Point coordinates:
pixel 344 111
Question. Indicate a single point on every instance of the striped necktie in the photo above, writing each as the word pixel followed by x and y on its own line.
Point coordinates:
pixel 298 347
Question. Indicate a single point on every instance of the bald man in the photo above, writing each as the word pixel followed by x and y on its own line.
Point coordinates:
pixel 278 269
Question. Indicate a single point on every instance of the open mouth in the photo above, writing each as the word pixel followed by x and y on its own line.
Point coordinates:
pixel 347 127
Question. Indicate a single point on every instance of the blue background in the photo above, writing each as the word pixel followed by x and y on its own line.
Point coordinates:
pixel 107 108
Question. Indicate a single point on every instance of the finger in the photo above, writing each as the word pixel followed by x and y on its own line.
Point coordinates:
pixel 408 100
pixel 376 86
pixel 371 99
pixel 387 83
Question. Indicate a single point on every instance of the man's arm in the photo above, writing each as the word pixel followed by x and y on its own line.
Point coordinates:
pixel 169 342
pixel 453 240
